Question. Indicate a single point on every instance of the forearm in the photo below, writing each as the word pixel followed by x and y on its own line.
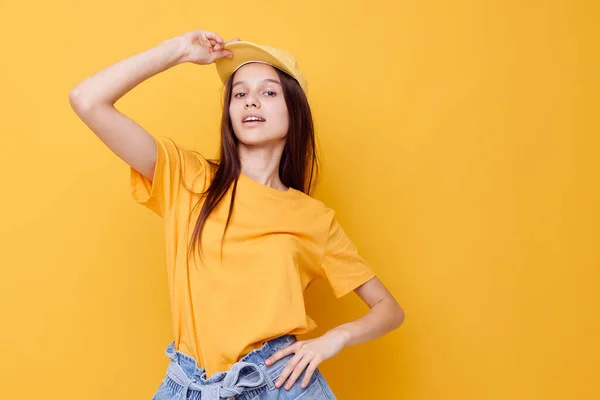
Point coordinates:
pixel 111 83
pixel 382 318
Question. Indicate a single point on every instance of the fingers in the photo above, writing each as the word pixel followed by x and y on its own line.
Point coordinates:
pixel 221 54
pixel 217 44
pixel 297 372
pixel 282 353
pixel 205 40
pixel 290 367
pixel 303 359
pixel 213 36
pixel 309 373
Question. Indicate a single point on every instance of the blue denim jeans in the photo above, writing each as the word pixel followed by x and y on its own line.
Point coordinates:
pixel 247 379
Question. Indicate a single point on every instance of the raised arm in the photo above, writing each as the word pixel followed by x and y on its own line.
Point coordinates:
pixel 93 99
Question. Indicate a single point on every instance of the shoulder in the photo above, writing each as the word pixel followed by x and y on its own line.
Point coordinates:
pixel 184 154
pixel 315 208
pixel 193 167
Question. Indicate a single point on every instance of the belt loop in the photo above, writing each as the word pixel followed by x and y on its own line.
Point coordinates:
pixel 171 352
pixel 186 388
pixel 267 375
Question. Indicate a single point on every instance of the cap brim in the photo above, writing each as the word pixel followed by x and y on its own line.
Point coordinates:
pixel 244 53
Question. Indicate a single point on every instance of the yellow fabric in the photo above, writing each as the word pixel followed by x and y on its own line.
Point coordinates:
pixel 277 242
pixel 245 52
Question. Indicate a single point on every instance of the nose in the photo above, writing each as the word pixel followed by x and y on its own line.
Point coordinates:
pixel 251 101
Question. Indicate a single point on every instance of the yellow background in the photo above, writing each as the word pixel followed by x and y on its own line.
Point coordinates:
pixel 459 143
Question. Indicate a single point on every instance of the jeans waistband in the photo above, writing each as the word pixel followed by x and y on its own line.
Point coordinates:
pixel 247 374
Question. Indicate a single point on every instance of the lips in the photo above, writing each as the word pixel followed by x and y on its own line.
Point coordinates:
pixel 245 116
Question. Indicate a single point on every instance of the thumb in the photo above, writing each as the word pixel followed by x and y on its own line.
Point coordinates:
pixel 221 54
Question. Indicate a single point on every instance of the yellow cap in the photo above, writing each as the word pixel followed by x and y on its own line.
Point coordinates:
pixel 247 52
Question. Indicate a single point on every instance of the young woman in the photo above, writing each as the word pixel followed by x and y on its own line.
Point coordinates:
pixel 243 236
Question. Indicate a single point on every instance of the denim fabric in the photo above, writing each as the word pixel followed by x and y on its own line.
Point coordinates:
pixel 247 379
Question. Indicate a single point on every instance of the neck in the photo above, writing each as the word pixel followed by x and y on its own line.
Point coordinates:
pixel 261 163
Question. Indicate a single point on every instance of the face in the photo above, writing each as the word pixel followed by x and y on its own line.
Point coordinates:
pixel 257 91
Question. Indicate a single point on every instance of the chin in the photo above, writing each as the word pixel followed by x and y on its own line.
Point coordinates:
pixel 258 138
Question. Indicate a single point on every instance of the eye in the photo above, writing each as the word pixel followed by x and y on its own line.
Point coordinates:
pixel 269 93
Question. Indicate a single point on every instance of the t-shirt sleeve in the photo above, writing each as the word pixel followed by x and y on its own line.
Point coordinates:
pixel 344 268
pixel 173 164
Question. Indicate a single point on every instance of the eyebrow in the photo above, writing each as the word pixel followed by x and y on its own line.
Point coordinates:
pixel 264 80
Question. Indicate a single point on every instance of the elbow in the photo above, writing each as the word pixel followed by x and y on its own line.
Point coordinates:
pixel 399 316
pixel 402 317
pixel 77 100
pixel 394 314
pixel 82 98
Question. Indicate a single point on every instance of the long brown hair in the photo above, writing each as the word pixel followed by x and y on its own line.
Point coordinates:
pixel 298 167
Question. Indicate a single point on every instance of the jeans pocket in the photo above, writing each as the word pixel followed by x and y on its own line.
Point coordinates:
pixel 314 391
pixel 317 389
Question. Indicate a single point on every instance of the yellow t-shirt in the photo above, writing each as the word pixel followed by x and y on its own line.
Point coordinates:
pixel 277 242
